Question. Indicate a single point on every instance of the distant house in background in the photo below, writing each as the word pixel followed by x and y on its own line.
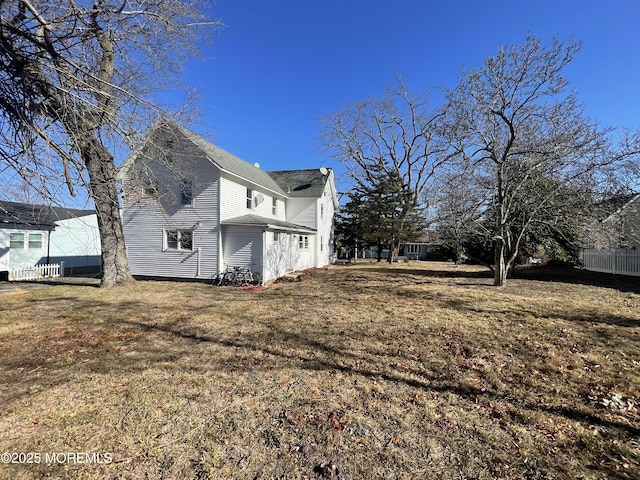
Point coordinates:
pixel 621 225
pixel 41 234
pixel 424 250
pixel 190 209
pixel 625 225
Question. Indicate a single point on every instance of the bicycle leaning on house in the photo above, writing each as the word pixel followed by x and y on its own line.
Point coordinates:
pixel 237 277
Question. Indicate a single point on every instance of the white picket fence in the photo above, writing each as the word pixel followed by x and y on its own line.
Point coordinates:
pixel 620 261
pixel 37 272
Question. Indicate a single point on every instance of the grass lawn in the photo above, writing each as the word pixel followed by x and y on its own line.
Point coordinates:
pixel 412 371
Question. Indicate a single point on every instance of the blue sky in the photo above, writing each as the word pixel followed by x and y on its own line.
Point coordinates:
pixel 278 65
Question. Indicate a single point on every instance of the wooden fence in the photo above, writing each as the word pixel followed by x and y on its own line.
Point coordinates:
pixel 37 272
pixel 620 261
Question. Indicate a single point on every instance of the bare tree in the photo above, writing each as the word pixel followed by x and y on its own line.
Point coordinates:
pixel 77 80
pixel 512 123
pixel 393 137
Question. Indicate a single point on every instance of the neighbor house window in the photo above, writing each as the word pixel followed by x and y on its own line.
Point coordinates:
pixel 186 192
pixel 321 210
pixel 35 240
pixel 179 239
pixel 274 206
pixel 413 248
pixel 321 243
pixel 276 236
pixel 249 198
pixel 303 242
pixel 16 240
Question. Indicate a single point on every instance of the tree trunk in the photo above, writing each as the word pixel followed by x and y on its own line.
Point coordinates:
pixel 394 247
pixel 500 267
pixel 102 180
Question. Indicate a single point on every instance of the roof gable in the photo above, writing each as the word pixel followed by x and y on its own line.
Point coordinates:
pixel 229 163
pixel 631 206
pixel 306 183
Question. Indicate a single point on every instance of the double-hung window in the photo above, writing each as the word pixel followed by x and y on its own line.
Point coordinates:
pixel 19 240
pixel 186 192
pixel 249 198
pixel 16 240
pixel 35 240
pixel 274 207
pixel 178 240
pixel 303 242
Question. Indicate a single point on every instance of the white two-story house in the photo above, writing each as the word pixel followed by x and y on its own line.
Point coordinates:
pixel 191 209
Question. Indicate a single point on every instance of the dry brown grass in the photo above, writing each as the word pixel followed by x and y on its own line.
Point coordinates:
pixel 406 371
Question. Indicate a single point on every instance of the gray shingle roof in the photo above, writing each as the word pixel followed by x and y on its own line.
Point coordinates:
pixel 290 183
pixel 258 221
pixel 232 164
pixel 37 215
pixel 301 183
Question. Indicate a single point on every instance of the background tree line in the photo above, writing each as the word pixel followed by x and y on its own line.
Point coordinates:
pixel 508 162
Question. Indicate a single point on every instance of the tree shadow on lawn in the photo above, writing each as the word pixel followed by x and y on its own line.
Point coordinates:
pixel 459 305
pixel 320 356
pixel 130 342
pixel 578 276
pixel 543 273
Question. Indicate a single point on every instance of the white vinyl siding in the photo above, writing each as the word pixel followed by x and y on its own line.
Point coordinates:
pixel 242 247
pixel 76 241
pixel 302 211
pixel 281 255
pixel 145 223
pixel 236 201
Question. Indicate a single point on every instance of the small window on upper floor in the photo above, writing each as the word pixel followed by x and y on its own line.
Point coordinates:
pixel 322 211
pixel 274 206
pixel 150 187
pixel 186 192
pixel 249 198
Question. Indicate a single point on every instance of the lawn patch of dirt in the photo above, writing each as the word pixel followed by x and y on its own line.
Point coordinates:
pixel 410 371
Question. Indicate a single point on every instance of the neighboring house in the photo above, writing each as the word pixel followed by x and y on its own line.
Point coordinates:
pixel 191 209
pixel 41 234
pixel 619 229
pixel 414 250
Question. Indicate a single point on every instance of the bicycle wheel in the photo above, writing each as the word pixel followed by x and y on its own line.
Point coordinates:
pixel 229 278
pixel 243 278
